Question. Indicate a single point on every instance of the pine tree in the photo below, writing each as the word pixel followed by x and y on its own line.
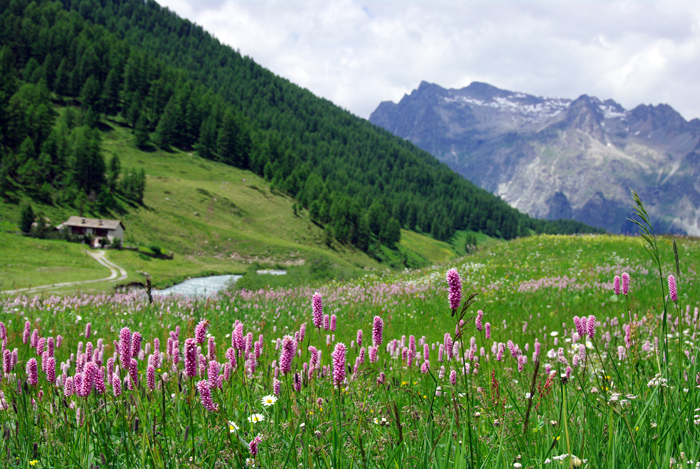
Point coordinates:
pixel 141 137
pixel 26 218
pixel 113 171
pixel 206 146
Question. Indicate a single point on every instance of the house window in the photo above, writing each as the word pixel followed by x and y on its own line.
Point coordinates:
pixel 78 230
pixel 101 232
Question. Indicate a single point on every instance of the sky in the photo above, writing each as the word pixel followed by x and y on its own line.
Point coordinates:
pixel 360 53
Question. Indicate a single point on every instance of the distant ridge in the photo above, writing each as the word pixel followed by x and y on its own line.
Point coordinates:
pixel 554 158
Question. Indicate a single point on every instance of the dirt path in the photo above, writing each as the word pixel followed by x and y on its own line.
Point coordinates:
pixel 114 271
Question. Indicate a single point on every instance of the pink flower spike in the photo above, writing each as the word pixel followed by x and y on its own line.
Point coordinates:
pixel 479 317
pixel 205 396
pixel 672 288
pixel 377 329
pixel 200 331
pixel 32 372
pixel 625 283
pixel 287 354
pixel 616 285
pixel 338 357
pixel 455 286
pixel 190 358
pixel 317 305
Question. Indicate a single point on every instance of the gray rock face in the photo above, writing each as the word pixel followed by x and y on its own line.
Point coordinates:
pixel 559 158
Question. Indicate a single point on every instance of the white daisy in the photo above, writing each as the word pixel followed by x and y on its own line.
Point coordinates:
pixel 267 401
pixel 256 418
pixel 232 427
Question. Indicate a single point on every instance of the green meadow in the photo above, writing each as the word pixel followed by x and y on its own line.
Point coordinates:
pixel 533 391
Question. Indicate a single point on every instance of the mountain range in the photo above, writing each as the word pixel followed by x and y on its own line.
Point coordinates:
pixel 560 158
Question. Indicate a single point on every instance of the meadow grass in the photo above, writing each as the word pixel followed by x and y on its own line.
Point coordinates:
pixel 611 400
pixel 213 217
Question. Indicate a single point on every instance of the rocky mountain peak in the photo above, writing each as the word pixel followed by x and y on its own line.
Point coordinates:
pixel 554 157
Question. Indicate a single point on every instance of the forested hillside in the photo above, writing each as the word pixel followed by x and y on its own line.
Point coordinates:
pixel 174 85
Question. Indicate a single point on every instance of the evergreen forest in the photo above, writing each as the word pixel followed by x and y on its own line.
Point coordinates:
pixel 66 66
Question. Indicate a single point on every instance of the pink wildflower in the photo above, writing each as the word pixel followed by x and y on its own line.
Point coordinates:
pixel 625 283
pixel 190 358
pixel 672 288
pixel 338 357
pixel 200 331
pixel 377 329
pixel 455 286
pixel 317 305
pixel 205 396
pixel 287 354
pixel 32 372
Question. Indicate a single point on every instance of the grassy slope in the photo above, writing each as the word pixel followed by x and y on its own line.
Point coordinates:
pixel 215 218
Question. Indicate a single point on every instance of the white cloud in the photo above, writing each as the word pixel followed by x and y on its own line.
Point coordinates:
pixel 358 54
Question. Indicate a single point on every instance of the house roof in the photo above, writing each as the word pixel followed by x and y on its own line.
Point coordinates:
pixel 93 223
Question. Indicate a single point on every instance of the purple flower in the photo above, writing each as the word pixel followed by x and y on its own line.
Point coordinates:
pixel 6 361
pixel 333 321
pixel 68 388
pixel 616 284
pixel 326 322
pixel 455 285
pixel 377 329
pixel 237 341
pixel 200 331
pixel 135 344
pixel 447 342
pixel 51 370
pixel 213 374
pixel 205 396
pixel 424 367
pixel 625 283
pixel 373 354
pixel 134 372
pixel 190 358
pixel 479 317
pixel 453 377
pixel 34 340
pixel 296 382
pixel 3 331
pixel 359 338
pixel 287 354
pixel 116 386
pixel 591 326
pixel 426 352
pixel 100 381
pixel 231 356
pixel 125 347
pixel 302 333
pixel 276 386
pixel 487 328
pixel 338 357
pixel 32 372
pixel 151 377
pixel 211 349
pixel 672 288
pixel 50 346
pixel 317 304
pixel 88 327
pixel 381 378
pixel 254 445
